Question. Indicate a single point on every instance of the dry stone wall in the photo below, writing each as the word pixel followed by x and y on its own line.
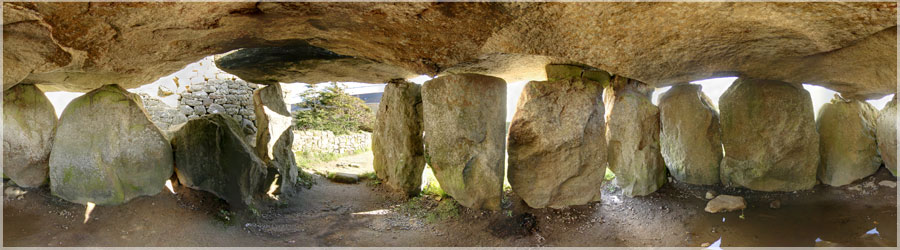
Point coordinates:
pixel 161 114
pixel 328 142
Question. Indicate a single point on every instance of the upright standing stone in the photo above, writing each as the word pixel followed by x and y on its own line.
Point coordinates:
pixel 690 138
pixel 274 137
pixel 212 155
pixel 29 121
pixel 557 146
pixel 887 135
pixel 632 133
pixel 465 135
pixel 397 142
pixel 769 135
pixel 107 151
pixel 847 144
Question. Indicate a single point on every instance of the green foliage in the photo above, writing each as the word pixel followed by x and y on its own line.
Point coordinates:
pixel 305 179
pixel 333 110
pixel 368 175
pixel 225 217
pixel 609 175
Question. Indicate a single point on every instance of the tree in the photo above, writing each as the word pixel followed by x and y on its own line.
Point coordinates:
pixel 334 110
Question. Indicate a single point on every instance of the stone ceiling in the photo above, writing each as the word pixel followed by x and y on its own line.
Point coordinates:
pixel 847 47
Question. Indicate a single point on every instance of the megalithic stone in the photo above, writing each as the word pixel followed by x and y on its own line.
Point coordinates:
pixel 29 122
pixel 769 136
pixel 274 137
pixel 465 136
pixel 690 139
pixel 632 134
pixel 557 142
pixel 107 151
pixel 397 143
pixel 848 149
pixel 887 135
pixel 212 155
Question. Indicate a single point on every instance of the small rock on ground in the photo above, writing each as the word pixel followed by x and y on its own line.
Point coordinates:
pixel 775 204
pixel 344 178
pixel 725 203
pixel 710 195
pixel 887 183
pixel 14 193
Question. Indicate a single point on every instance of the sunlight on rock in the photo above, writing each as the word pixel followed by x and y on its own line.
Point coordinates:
pixel 273 187
pixel 374 212
pixel 169 186
pixel 87 212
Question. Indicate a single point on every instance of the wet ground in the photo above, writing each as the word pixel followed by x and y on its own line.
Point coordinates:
pixel 332 214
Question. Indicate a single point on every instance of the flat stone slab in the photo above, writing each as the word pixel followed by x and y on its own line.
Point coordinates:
pixel 725 203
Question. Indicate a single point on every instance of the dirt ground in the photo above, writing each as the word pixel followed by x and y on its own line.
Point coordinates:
pixel 364 214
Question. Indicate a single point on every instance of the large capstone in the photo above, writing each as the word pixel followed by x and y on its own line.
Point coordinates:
pixel 690 138
pixel 302 62
pixel 557 146
pixel 465 136
pixel 632 132
pixel 28 124
pixel 887 135
pixel 274 137
pixel 847 144
pixel 212 155
pixel 107 151
pixel 769 136
pixel 397 142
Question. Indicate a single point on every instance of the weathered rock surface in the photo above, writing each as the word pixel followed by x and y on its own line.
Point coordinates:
pixel 397 142
pixel 107 151
pixel 690 140
pixel 465 136
pixel 632 134
pixel 725 203
pixel 274 137
pixel 557 145
pixel 886 130
pixel 847 144
pixel 769 136
pixel 211 155
pixel 848 47
pixel 307 64
pixel 29 122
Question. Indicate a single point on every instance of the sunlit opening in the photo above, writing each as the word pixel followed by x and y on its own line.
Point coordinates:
pixel 419 79
pixel 374 212
pixel 169 186
pixel 87 212
pixel 273 187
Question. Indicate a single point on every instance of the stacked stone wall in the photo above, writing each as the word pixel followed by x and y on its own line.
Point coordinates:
pixel 327 142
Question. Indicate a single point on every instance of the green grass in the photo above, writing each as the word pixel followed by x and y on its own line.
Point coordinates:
pixel 305 159
pixel 446 209
pixel 432 187
pixel 609 175
pixel 305 179
pixel 225 217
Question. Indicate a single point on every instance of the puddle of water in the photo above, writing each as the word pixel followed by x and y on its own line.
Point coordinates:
pixel 804 222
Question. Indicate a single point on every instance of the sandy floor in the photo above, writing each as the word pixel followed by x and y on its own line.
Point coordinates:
pixel 331 214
